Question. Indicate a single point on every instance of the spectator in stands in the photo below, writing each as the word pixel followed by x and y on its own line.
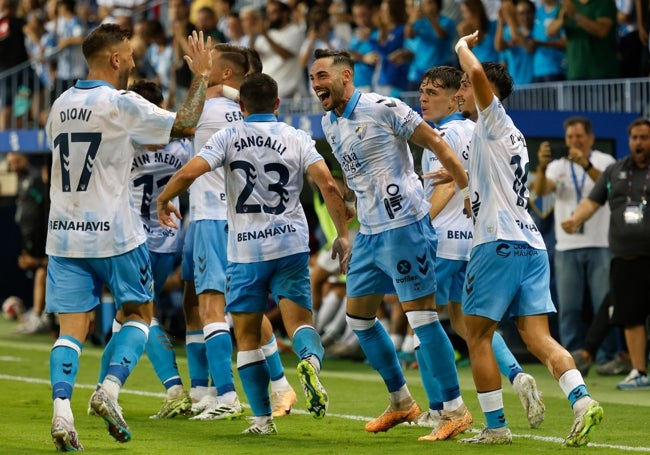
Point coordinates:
pixel 319 36
pixel 278 45
pixel 181 27
pixel 69 34
pixel 361 48
pixel 13 52
pixel 159 58
pixel 549 60
pixel 517 48
pixel 235 31
pixel 206 21
pixel 251 23
pixel 590 28
pixel 394 58
pixel 108 10
pixel 474 17
pixel 632 51
pixel 223 9
pixel 429 36
pixel 582 259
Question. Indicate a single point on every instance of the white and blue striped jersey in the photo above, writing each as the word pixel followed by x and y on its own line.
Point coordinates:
pixel 264 162
pixel 90 131
pixel 150 172
pixel 498 172
pixel 453 228
pixel 208 192
pixel 370 142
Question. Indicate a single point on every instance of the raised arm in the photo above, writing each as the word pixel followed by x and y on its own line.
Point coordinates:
pixel 481 87
pixel 543 185
pixel 199 61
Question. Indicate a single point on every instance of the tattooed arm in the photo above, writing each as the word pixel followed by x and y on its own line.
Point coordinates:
pixel 200 62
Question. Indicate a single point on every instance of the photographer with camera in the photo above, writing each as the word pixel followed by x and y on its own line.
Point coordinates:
pixel 581 260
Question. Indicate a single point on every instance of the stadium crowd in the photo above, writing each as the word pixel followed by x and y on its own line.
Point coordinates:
pixel 393 42
pixel 355 60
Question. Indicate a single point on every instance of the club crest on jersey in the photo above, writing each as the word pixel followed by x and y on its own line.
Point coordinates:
pixel 360 131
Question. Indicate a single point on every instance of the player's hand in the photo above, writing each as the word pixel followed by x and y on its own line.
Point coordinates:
pixel 570 225
pixel 199 58
pixel 468 207
pixel 168 214
pixel 341 249
pixel 439 177
pixel 471 40
pixel 544 155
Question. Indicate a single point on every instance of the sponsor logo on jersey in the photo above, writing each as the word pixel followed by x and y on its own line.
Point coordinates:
pixel 266 233
pixel 72 225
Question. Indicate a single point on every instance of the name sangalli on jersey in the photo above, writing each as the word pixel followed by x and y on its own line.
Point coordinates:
pixel 71 225
pixel 266 233
pixel 260 141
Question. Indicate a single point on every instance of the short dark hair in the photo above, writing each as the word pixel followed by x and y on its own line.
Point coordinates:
pixel 498 75
pixel 641 121
pixel 338 57
pixel 103 37
pixel 579 120
pixel 254 61
pixel 236 55
pixel 149 90
pixel 448 76
pixel 258 93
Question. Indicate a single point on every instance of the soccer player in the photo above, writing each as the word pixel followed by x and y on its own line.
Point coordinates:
pixel 268 250
pixel 395 249
pixel 152 167
pixel 508 254
pixel 439 103
pixel 210 229
pixel 94 237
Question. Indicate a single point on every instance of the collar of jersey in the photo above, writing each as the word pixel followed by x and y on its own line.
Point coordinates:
pixel 449 118
pixel 261 118
pixel 347 112
pixel 91 84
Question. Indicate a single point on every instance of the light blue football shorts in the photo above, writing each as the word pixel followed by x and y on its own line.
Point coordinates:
pixel 249 284
pixel 187 257
pixel 507 278
pixel 210 258
pixel 398 261
pixel 74 285
pixel 162 265
pixel 450 276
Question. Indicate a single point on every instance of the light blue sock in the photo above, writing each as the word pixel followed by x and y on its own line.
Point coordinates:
pixel 162 356
pixel 129 346
pixel 379 351
pixel 197 360
pixel 218 346
pixel 306 342
pixel 508 365
pixel 430 383
pixel 577 393
pixel 495 419
pixel 254 374
pixel 64 365
pixel 272 355
pixel 108 352
pixel 438 355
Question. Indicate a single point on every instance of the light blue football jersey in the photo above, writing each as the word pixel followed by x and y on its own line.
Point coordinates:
pixel 264 162
pixel 150 172
pixel 208 192
pixel 91 129
pixel 453 228
pixel 498 173
pixel 370 142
